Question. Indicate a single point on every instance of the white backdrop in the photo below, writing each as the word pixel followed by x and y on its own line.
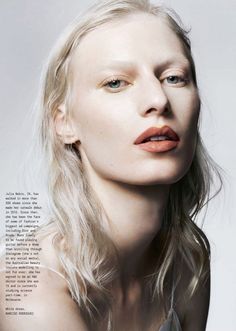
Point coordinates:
pixel 28 29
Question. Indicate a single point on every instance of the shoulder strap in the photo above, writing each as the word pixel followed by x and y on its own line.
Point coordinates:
pixel 173 288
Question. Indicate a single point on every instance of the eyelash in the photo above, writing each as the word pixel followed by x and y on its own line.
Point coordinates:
pixel 182 81
pixel 114 80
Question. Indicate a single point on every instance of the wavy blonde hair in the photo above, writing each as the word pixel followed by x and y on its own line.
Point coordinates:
pixel 85 251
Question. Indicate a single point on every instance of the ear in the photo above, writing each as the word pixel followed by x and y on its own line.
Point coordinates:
pixel 64 126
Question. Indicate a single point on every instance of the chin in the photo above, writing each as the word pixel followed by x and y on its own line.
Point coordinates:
pixel 166 176
pixel 153 172
pixel 165 179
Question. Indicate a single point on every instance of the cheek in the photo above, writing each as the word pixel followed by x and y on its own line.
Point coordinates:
pixel 102 129
pixel 187 115
pixel 186 109
pixel 189 139
pixel 102 118
pixel 91 118
pixel 190 120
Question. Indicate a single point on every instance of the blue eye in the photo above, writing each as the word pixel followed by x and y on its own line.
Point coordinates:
pixel 114 84
pixel 175 80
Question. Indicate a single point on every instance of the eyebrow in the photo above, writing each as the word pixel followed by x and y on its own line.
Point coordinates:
pixel 173 61
pixel 119 64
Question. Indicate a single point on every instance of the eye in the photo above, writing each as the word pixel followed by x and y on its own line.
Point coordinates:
pixel 176 80
pixel 115 84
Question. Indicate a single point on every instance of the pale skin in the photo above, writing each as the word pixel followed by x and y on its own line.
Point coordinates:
pixel 106 119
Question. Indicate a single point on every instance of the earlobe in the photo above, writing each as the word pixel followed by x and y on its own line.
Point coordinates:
pixel 64 126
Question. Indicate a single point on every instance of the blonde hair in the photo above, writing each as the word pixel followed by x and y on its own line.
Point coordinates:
pixel 82 245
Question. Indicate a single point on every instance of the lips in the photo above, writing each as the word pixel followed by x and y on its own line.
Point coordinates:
pixel 158 139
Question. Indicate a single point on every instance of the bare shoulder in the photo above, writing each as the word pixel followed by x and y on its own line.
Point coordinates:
pixel 47 307
pixel 194 310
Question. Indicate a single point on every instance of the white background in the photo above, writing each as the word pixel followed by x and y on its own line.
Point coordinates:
pixel 28 29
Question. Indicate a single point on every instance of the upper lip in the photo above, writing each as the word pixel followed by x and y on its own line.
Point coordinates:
pixel 154 131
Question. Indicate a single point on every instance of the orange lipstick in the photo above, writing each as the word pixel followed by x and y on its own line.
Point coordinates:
pixel 158 140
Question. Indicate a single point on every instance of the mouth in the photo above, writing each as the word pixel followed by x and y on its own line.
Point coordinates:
pixel 158 140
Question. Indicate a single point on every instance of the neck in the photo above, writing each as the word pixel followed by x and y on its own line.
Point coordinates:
pixel 134 216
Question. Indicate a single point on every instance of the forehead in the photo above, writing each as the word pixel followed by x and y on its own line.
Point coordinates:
pixel 135 38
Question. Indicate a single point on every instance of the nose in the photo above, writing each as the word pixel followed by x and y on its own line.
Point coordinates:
pixel 154 100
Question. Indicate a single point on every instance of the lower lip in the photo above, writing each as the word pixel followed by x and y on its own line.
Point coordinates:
pixel 158 146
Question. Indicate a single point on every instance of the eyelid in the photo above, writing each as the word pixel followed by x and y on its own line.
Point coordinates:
pixel 112 78
pixel 175 72
pixel 115 78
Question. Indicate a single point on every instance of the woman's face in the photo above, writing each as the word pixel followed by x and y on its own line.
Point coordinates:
pixel 129 76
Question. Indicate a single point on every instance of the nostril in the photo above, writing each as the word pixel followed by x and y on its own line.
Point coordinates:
pixel 161 110
pixel 167 109
pixel 150 110
pixel 155 101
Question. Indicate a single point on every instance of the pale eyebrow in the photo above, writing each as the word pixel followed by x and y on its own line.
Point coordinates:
pixel 131 66
pixel 174 61
pixel 117 64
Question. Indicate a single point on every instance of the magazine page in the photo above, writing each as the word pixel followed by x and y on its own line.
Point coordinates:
pixel 118 177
